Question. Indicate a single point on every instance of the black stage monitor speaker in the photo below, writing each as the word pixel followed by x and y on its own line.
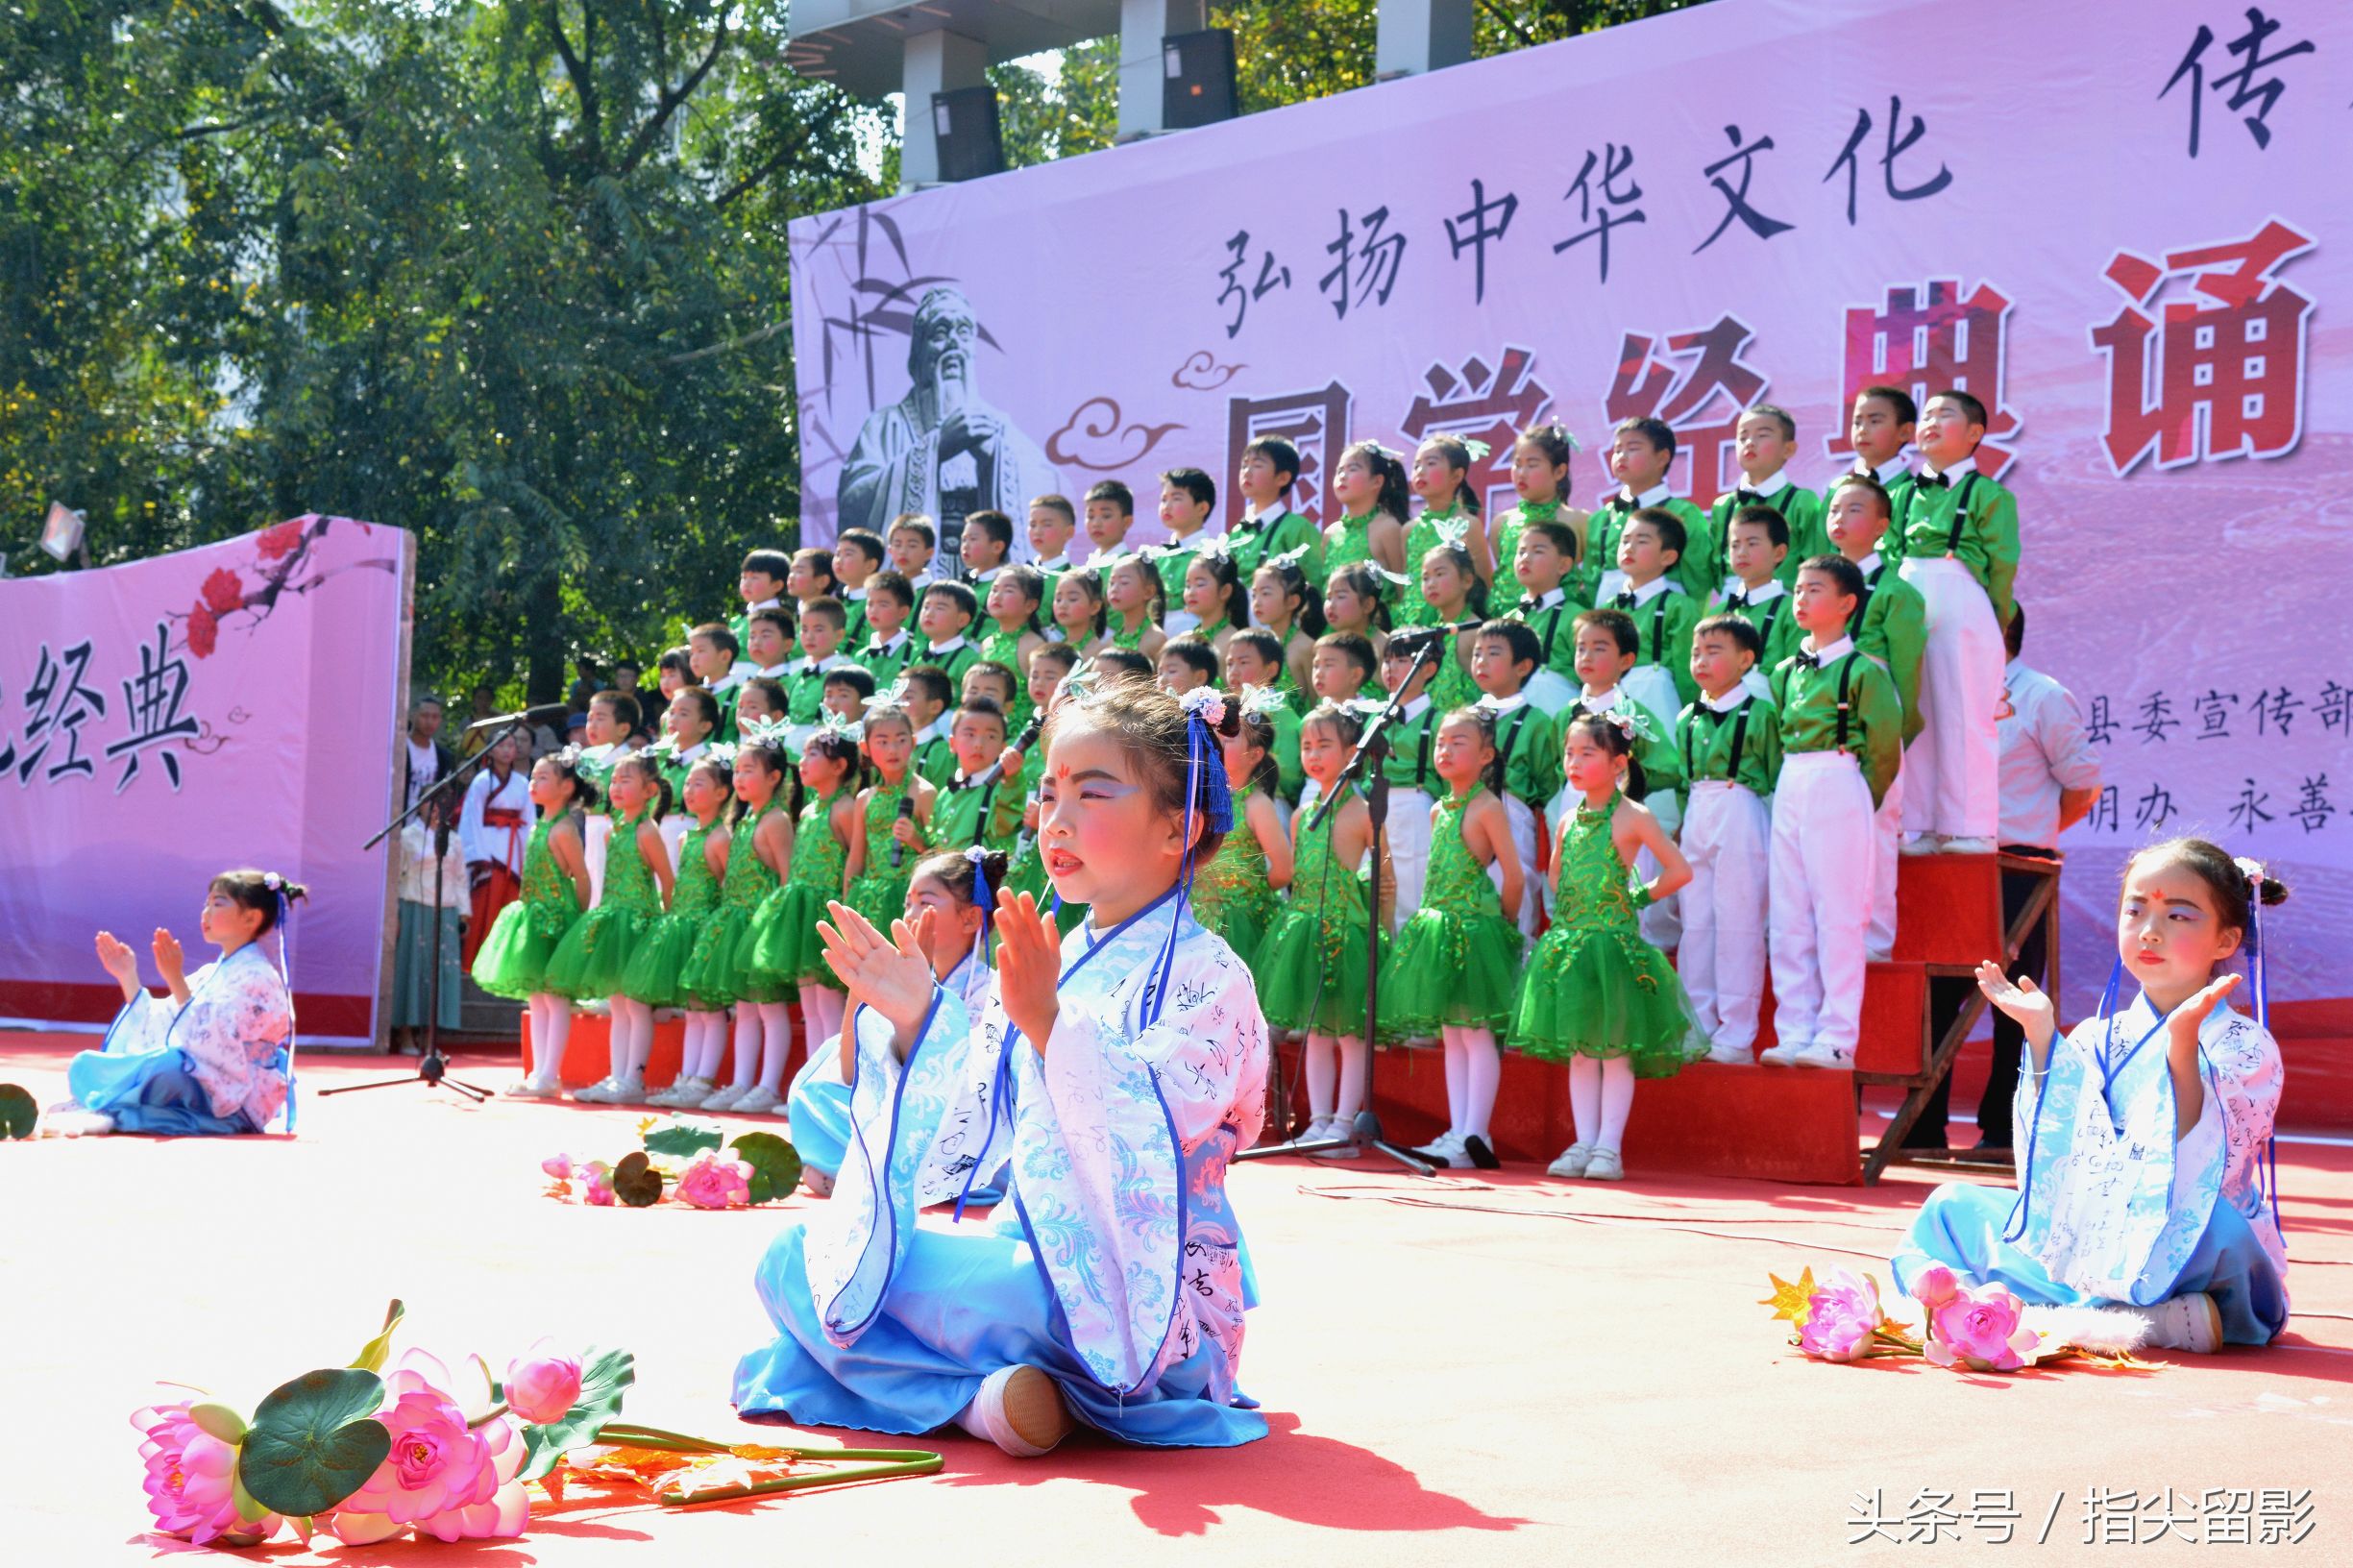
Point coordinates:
pixel 1197 86
pixel 964 130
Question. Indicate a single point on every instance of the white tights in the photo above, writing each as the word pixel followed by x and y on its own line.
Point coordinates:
pixel 706 1041
pixel 1473 1070
pixel 633 1037
pixel 820 1015
pixel 1600 1093
pixel 1337 1067
pixel 551 1032
pixel 763 1038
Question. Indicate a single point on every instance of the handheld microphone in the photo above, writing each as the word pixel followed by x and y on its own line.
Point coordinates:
pixel 906 814
pixel 1021 742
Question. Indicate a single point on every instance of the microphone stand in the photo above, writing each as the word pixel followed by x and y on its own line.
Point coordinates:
pixel 1371 749
pixel 431 1068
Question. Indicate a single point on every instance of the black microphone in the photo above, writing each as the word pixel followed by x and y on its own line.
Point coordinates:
pixel 906 814
pixel 1021 742
pixel 518 716
pixel 1412 638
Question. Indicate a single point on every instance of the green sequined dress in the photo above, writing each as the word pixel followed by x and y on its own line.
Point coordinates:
pixel 1458 960
pixel 1001 646
pixel 1231 894
pixel 596 952
pixel 1311 968
pixel 785 946
pixel 881 893
pixel 715 968
pixel 654 974
pixel 1424 534
pixel 512 961
pixel 1595 987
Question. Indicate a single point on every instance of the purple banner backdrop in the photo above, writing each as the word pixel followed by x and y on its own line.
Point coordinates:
pixel 170 718
pixel 2120 227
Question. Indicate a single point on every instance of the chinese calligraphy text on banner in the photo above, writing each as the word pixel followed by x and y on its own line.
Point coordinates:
pixel 166 719
pixel 2119 228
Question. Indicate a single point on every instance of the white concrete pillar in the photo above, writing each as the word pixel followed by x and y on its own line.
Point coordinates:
pixel 1142 70
pixel 1418 36
pixel 936 62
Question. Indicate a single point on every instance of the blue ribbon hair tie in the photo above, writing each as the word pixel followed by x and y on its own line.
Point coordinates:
pixel 2259 983
pixel 1205 709
pixel 285 973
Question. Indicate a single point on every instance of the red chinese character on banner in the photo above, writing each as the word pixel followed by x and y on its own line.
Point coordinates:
pixel 1701 404
pixel 1316 422
pixel 2227 372
pixel 1484 403
pixel 1926 340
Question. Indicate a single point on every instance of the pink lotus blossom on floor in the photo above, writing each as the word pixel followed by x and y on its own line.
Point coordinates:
pixel 1842 1315
pixel 1981 1329
pixel 1934 1285
pixel 443 1477
pixel 596 1182
pixel 557 1166
pixel 542 1384
pixel 191 1479
pixel 716 1182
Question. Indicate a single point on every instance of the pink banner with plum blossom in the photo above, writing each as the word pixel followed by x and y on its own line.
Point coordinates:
pixel 170 718
pixel 2122 228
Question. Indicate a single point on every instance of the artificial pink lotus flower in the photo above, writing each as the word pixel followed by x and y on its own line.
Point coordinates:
pixel 1981 1329
pixel 542 1384
pixel 557 1166
pixel 443 1477
pixel 1934 1285
pixel 715 1181
pixel 191 1480
pixel 596 1182
pixel 1843 1317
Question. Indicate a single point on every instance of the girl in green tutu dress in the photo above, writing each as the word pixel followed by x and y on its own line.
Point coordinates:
pixel 595 953
pixel 1310 968
pixel 785 946
pixel 1049 667
pixel 1597 995
pixel 656 974
pixel 757 854
pixel 893 817
pixel 1285 605
pixel 1233 894
pixel 1453 971
pixel 513 958
pixel 1135 600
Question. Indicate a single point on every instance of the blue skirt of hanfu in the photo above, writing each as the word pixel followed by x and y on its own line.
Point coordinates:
pixel 150 1092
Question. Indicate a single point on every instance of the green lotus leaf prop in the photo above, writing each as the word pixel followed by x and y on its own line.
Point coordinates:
pixel 314 1441
pixel 636 1183
pixel 776 1165
pixel 682 1138
pixel 20 1113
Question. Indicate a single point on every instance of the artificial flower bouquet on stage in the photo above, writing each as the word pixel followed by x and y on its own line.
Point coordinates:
pixel 686 1159
pixel 1973 1328
pixel 416 1445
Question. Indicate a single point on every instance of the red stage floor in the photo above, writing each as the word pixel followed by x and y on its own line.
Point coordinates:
pixel 1498 1370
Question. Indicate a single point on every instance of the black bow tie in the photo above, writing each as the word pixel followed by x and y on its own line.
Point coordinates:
pixel 1530 607
pixel 1627 601
pixel 1808 661
pixel 1736 602
pixel 1622 503
pixel 1720 715
pixel 1936 481
pixel 1744 495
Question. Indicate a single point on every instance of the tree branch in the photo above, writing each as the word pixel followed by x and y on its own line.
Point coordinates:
pixel 730 346
pixel 1508 21
pixel 583 84
pixel 760 174
pixel 672 97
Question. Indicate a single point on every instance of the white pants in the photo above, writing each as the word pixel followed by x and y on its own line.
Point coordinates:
pixel 1727 839
pixel 1652 686
pixel 1820 907
pixel 1409 831
pixel 1886 836
pixel 672 829
pixel 1535 888
pixel 1956 764
pixel 599 832
pixel 1549 691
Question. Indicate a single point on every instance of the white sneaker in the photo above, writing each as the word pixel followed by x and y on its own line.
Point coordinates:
pixel 1918 843
pixel 1446 1149
pixel 1783 1055
pixel 628 1090
pixel 2189 1322
pixel 1605 1166
pixel 1732 1056
pixel 723 1099
pixel 599 1092
pixel 533 1089
pixel 1826 1056
pixel 1022 1412
pixel 70 1120
pixel 1318 1130
pixel 1573 1160
pixel 758 1101
pixel 684 1093
pixel 1967 846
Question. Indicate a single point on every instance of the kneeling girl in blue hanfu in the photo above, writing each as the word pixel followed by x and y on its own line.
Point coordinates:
pixel 2146 1130
pixel 1123 1067
pixel 216 1055
pixel 959 886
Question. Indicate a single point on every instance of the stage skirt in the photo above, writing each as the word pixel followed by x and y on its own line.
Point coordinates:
pixel 150 1092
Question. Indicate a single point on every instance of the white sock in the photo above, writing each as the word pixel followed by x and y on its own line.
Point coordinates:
pixel 746 1046
pixel 551 1033
pixel 1458 1078
pixel 706 1037
pixel 776 1044
pixel 1320 1056
pixel 1585 1096
pixel 616 1037
pixel 1483 1070
pixel 1356 1074
pixel 821 1013
pixel 1617 1101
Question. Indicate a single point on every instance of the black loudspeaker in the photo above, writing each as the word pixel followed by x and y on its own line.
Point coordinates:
pixel 1198 80
pixel 965 130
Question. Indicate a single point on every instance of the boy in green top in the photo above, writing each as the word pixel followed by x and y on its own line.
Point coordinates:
pixel 857 555
pixel 1755 542
pixel 984 547
pixel 948 612
pixel 972 806
pixel 712 651
pixel 1268 526
pixel 1764 440
pixel 1841 743
pixel 888 647
pixel 1880 429
pixel 1729 740
pixel 1892 628
pixel 914 540
pixel 1651 545
pixel 1254 659
pixel 768 641
pixel 1641 452
pixel 761 586
pixel 823 621
pixel 928 695
pixel 1526 745
pixel 1110 511
pixel 611 718
pixel 1960 550
pixel 1607 647
pixel 1186 497
pixel 1052 524
pixel 1543 556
